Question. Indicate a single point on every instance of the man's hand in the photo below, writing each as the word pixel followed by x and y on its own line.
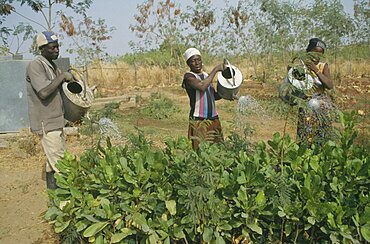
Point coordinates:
pixel 67 76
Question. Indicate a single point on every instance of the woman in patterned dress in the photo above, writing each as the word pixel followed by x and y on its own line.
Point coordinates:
pixel 315 119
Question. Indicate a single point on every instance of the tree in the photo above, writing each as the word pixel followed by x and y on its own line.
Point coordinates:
pixel 157 22
pixel 163 23
pixel 275 30
pixel 15 36
pixel 280 25
pixel 53 17
pixel 237 39
pixel 202 31
pixel 45 8
pixel 330 22
pixel 88 38
pixel 361 21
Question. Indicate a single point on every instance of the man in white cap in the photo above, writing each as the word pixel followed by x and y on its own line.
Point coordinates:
pixel 203 117
pixel 45 106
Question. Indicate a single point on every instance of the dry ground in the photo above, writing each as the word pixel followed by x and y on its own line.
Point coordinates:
pixel 23 196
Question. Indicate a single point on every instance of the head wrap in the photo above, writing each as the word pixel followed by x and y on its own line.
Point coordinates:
pixel 315 42
pixel 191 52
pixel 45 37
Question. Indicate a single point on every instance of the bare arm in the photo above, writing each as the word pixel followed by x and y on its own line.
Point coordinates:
pixel 37 75
pixel 324 76
pixel 49 89
pixel 202 85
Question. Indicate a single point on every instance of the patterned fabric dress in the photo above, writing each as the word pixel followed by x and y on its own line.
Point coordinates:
pixel 315 120
pixel 204 124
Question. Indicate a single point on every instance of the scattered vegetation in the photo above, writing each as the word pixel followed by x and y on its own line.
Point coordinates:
pixel 28 142
pixel 236 192
pixel 159 107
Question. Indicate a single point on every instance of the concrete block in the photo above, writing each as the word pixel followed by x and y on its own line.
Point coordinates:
pixel 71 131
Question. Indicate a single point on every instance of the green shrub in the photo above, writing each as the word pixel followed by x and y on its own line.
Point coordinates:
pixel 159 107
pixel 280 192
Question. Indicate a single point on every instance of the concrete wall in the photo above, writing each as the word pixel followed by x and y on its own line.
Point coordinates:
pixel 13 94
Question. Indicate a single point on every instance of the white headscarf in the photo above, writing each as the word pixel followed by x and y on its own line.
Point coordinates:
pixel 191 52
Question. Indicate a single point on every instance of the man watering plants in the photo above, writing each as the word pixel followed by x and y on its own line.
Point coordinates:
pixel 204 123
pixel 45 106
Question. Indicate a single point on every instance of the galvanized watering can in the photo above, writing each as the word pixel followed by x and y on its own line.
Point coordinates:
pixel 229 81
pixel 77 98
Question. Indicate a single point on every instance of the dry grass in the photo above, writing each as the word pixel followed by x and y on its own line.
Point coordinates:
pixel 118 78
pixel 115 79
pixel 28 142
pixel 358 68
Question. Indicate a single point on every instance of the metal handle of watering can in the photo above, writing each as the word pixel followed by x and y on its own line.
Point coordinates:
pixel 227 63
pixel 80 76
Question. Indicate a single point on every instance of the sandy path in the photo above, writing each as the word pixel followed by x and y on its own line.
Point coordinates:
pixel 23 199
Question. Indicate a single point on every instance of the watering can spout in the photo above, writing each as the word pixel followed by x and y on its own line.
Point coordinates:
pixel 235 97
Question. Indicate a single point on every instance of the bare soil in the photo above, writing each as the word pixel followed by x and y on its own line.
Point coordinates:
pixel 23 196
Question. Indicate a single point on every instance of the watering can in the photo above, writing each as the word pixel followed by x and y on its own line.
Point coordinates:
pixel 229 81
pixel 300 77
pixel 77 98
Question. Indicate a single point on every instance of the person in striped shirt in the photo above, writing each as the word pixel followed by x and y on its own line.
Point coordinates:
pixel 204 124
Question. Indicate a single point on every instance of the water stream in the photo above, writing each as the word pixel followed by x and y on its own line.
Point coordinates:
pixel 109 129
pixel 249 105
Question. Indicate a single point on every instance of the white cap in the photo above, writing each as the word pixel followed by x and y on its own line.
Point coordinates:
pixel 46 37
pixel 191 52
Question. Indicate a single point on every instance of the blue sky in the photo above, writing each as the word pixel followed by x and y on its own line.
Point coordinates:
pixel 120 14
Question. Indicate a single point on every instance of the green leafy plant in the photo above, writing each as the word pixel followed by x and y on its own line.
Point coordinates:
pixel 222 193
pixel 159 107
